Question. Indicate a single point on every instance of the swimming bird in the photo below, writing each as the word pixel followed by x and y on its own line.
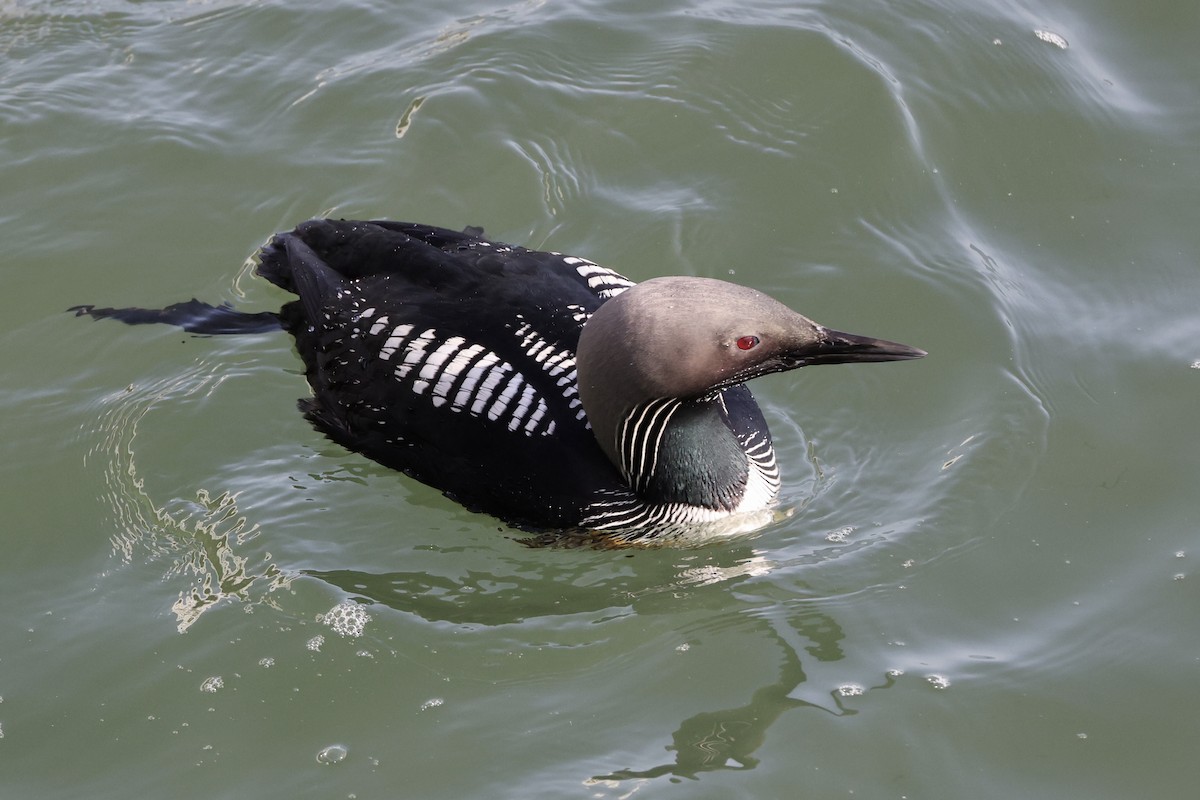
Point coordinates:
pixel 541 388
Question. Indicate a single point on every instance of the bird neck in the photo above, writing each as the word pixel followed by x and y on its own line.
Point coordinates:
pixel 681 451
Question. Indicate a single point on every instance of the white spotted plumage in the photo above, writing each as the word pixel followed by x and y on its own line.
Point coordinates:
pixel 379 325
pixel 399 334
pixel 468 377
pixel 558 363
pixel 601 280
pixel 505 396
pixel 414 352
pixel 482 367
pixel 490 382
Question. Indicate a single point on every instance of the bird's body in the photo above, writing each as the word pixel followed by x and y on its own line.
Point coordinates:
pixel 459 361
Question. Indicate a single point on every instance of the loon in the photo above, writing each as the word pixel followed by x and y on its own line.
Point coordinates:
pixel 541 388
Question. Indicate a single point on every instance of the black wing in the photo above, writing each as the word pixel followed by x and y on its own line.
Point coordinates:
pixel 451 358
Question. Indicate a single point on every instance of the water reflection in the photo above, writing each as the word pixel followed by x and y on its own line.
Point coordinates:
pixel 515 591
pixel 709 740
pixel 728 738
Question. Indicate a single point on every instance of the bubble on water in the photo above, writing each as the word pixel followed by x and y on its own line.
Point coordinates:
pixel 432 702
pixel 1081 735
pixel 683 648
pixel 1178 554
pixel 840 535
pixel 315 643
pixel 850 690
pixel 211 684
pixel 1051 38
pixel 266 663
pixel 333 754
pixel 895 673
pixel 346 618
pixel 1178 576
pixel 1196 364
pixel 1 730
pixel 938 681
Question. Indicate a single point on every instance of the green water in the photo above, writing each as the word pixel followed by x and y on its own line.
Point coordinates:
pixel 987 589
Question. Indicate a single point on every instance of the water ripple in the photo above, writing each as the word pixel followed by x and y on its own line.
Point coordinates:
pixel 205 541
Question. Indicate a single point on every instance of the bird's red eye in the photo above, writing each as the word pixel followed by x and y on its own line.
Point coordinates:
pixel 747 342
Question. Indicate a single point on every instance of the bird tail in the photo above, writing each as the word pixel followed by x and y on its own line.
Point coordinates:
pixel 193 316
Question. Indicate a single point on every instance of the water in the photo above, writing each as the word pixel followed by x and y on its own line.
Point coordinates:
pixel 988 586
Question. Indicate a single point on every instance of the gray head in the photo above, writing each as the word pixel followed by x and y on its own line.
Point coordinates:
pixel 690 337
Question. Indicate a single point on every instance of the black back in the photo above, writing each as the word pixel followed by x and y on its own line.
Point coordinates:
pixel 450 358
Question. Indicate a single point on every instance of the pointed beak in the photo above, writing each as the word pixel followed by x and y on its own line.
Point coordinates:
pixel 838 347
